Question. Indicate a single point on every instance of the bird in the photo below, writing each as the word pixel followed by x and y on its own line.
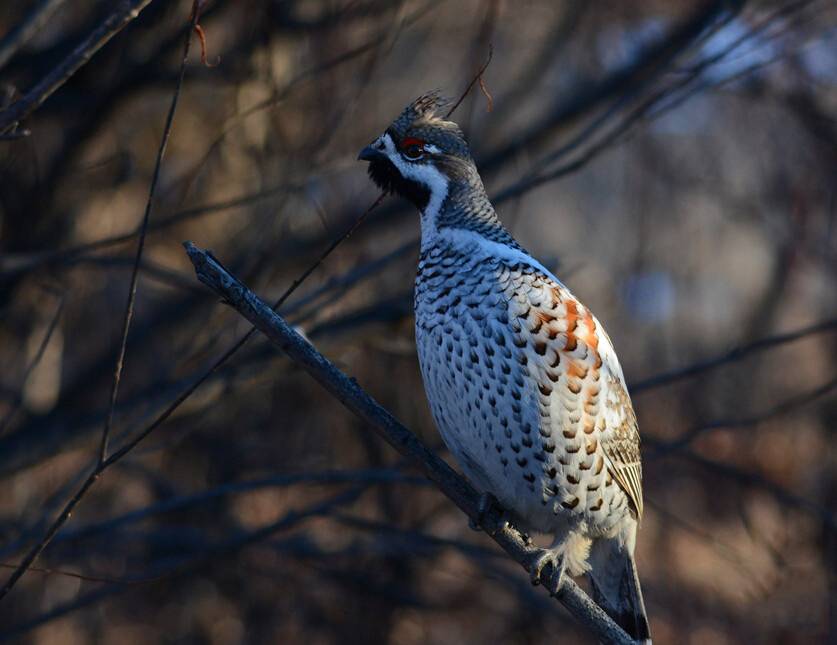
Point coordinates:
pixel 522 380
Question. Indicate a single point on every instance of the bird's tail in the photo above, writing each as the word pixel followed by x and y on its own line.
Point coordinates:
pixel 615 584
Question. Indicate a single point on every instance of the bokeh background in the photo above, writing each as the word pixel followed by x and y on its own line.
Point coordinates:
pixel 674 162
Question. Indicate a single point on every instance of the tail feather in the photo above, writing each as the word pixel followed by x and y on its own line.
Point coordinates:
pixel 616 587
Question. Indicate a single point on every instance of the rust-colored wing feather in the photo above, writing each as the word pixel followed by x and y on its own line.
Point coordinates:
pixel 577 368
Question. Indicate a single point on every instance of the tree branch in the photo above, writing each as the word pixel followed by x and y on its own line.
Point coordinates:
pixel 351 395
pixel 125 12
pixel 33 22
pixel 143 229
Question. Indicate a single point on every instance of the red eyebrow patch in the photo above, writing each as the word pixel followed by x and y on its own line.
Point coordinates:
pixel 411 141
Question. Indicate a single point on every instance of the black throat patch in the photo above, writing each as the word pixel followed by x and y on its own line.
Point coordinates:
pixel 387 178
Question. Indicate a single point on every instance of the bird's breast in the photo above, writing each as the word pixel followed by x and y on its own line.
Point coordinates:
pixel 515 386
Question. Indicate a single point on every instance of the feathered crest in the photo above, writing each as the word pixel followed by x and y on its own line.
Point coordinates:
pixel 429 103
pixel 425 108
pixel 422 119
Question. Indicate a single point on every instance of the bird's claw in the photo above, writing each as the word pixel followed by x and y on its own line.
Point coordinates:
pixel 555 561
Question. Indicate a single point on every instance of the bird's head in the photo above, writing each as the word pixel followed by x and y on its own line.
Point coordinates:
pixel 420 154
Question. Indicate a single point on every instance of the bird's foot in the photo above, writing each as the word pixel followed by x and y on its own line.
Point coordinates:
pixel 486 503
pixel 542 560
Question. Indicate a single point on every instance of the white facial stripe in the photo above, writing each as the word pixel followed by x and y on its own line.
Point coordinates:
pixel 425 174
pixel 389 144
pixel 434 150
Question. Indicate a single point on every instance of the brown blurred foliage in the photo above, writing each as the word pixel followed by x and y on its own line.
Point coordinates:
pixel 674 162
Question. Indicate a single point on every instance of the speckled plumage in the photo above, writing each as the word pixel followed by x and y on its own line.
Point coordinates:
pixel 525 389
pixel 522 380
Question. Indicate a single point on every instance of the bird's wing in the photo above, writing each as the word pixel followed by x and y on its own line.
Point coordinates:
pixel 578 372
pixel 621 445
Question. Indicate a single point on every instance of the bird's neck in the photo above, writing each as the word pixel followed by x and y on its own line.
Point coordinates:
pixel 461 204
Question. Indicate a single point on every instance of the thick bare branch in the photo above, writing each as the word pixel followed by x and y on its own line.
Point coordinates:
pixel 351 395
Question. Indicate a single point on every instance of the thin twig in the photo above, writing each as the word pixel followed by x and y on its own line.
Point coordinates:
pixel 64 573
pixel 477 77
pixel 143 229
pixel 351 395
pixel 15 134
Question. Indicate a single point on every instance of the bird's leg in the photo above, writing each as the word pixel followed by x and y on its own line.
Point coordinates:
pixel 553 558
pixel 485 504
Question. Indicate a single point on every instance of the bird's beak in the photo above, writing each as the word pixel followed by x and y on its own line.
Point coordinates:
pixel 370 154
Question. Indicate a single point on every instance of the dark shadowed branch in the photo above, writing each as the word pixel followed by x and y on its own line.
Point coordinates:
pixel 124 13
pixel 204 557
pixel 732 356
pixel 779 409
pixel 37 17
pixel 351 395
pixel 634 76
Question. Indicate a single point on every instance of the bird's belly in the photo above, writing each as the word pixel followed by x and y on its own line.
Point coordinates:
pixel 461 399
pixel 488 420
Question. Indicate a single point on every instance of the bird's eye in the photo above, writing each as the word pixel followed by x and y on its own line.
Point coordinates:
pixel 413 152
pixel 412 149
